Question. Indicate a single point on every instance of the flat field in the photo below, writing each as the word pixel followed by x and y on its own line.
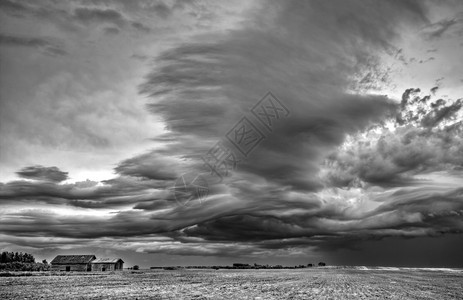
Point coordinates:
pixel 310 283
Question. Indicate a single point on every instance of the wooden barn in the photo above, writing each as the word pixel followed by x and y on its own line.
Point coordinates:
pixel 107 264
pixel 72 263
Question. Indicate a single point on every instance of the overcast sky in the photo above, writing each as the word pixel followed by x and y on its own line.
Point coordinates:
pixel 355 156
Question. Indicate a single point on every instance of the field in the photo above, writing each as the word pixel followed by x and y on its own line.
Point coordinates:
pixel 311 283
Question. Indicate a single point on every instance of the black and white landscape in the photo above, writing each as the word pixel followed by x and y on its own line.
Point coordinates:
pixel 175 133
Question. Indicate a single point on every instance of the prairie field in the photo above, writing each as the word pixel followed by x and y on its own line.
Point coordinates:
pixel 310 283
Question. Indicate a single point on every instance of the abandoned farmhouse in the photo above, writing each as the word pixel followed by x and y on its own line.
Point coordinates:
pixel 85 263
pixel 107 264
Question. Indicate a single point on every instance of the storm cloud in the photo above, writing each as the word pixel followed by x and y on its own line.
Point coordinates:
pixel 337 167
pixel 49 48
pixel 43 173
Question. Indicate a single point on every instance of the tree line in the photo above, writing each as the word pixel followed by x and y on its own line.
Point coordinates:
pixel 18 261
pixel 16 257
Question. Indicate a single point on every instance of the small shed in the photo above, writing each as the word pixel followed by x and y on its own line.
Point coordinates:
pixel 72 263
pixel 107 264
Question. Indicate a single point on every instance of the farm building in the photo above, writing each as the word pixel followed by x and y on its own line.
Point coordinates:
pixel 107 264
pixel 72 263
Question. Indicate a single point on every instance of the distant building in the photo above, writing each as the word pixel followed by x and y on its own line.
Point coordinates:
pixel 107 264
pixel 72 263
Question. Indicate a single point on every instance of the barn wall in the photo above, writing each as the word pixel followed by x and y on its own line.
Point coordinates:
pixel 107 266
pixel 74 267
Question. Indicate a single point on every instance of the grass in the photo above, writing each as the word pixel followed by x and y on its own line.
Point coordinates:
pixel 316 283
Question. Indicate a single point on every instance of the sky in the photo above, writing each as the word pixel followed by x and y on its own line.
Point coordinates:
pixel 213 132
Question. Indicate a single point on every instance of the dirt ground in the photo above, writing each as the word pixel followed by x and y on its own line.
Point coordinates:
pixel 310 283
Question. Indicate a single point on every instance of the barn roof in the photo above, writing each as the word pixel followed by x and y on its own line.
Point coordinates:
pixel 106 260
pixel 72 259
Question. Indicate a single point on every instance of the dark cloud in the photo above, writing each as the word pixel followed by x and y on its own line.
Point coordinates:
pixel 150 167
pixel 426 60
pixel 140 26
pixel 157 204
pixel 52 174
pixel 12 7
pixel 107 15
pixel 118 192
pixel 43 45
pixel 439 115
pixel 58 13
pixel 436 30
pixel 86 15
pixel 139 57
pixel 69 17
pixel 417 212
pixel 111 30
pixel 158 7
pixel 162 10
